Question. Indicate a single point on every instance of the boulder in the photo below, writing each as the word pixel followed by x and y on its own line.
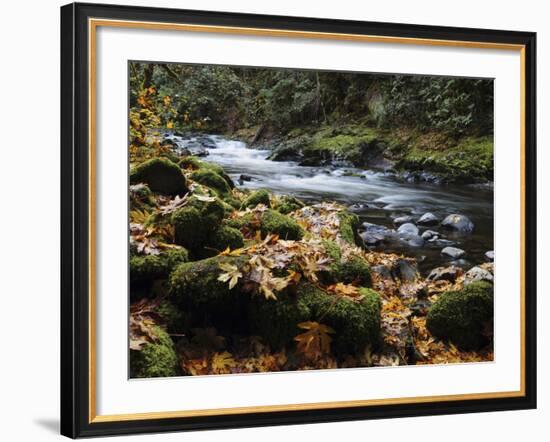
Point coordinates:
pixel 408 229
pixel 490 255
pixel 356 324
pixel 450 274
pixel 428 219
pixel 287 204
pixel 212 180
pixel 462 317
pixel 477 274
pixel 197 221
pixel 258 197
pixel 453 252
pixel 402 220
pixel 430 235
pixel 459 223
pixel 353 269
pixel 269 221
pixel 161 175
pixel 155 359
pixel 404 270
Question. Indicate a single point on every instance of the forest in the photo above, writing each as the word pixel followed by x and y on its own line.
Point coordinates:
pixel 285 219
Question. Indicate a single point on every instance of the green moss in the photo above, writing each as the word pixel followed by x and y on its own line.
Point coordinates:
pixel 161 175
pixel 147 268
pixel 196 221
pixel 174 318
pixel 462 315
pixel 190 163
pixel 194 287
pixel 258 197
pixel 270 221
pixel 211 179
pixel 352 270
pixel 287 204
pixel 277 320
pixel 222 238
pixel 282 225
pixel 356 324
pixel 141 197
pixel 155 359
pixel 193 163
pixel 471 160
pixel 349 223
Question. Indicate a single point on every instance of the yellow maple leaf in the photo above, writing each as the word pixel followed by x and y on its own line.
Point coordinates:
pixel 232 274
pixel 315 341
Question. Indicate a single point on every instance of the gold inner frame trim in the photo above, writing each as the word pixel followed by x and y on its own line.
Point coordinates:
pixel 93 24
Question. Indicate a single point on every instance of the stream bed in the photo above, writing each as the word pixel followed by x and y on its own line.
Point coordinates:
pixel 375 196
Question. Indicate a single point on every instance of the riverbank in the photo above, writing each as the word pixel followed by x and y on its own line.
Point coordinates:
pixel 421 157
pixel 225 279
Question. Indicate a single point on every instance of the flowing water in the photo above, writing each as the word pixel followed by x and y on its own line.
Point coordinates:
pixel 376 197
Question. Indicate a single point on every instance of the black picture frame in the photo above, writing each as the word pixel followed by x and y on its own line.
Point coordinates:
pixel 75 220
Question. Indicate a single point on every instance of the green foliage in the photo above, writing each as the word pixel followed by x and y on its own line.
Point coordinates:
pixel 161 175
pixel 461 316
pixel 258 197
pixel 155 359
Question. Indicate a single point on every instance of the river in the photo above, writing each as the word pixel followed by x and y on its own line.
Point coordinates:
pixel 376 197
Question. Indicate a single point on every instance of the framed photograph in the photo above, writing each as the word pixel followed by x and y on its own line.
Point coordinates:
pixel 279 220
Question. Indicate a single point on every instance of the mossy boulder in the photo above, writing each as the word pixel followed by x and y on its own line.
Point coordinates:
pixel 269 221
pixel 155 359
pixel 282 225
pixel 193 163
pixel 147 268
pixel 211 179
pixel 175 319
pixel 277 320
pixel 224 237
pixel 161 175
pixel 356 324
pixel 462 316
pixel 287 204
pixel 258 197
pixel 195 222
pixel 350 270
pixel 194 286
pixel 141 197
pixel 349 223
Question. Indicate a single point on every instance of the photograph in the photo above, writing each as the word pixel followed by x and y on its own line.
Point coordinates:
pixel 284 219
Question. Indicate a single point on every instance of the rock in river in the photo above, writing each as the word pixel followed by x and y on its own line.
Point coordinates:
pixel 374 233
pixel 490 255
pixel 402 220
pixel 430 234
pixel 445 274
pixel 460 223
pixel 453 252
pixel 477 274
pixel 428 219
pixel 407 228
